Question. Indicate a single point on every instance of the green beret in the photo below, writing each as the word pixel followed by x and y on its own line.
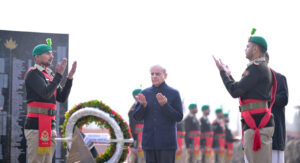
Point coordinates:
pixel 192 106
pixel 226 114
pixel 259 40
pixel 136 91
pixel 40 49
pixel 205 107
pixel 219 110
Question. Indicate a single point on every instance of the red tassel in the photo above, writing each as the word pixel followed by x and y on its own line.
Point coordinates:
pixel 256 140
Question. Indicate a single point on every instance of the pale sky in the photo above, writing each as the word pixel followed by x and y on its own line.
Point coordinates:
pixel 116 42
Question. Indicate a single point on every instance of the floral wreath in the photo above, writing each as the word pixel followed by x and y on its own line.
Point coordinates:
pixel 110 150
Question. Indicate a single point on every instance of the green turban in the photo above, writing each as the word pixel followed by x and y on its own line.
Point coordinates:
pixel 226 114
pixel 205 107
pixel 192 106
pixel 219 110
pixel 136 91
pixel 259 40
pixel 40 49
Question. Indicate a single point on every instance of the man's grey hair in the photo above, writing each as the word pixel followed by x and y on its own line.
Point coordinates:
pixel 163 69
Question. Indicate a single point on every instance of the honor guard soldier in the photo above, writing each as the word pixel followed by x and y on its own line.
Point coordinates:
pixel 219 137
pixel 256 88
pixel 43 89
pixel 192 138
pixel 136 152
pixel 206 138
pixel 180 153
pixel 229 140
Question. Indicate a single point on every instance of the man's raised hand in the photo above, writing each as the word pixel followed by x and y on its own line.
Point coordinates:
pixel 73 70
pixel 218 64
pixel 142 99
pixel 162 100
pixel 61 66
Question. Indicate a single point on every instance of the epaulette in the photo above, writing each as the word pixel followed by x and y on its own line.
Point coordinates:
pixel 31 68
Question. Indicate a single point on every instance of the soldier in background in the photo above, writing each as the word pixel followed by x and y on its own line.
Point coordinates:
pixel 228 139
pixel 192 137
pixel 292 154
pixel 136 154
pixel 278 111
pixel 219 137
pixel 206 138
pixel 180 153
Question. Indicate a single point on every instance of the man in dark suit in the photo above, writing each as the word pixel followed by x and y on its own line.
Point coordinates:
pixel 278 111
pixel 160 107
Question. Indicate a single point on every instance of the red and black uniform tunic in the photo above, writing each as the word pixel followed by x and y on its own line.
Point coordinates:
pixel 180 139
pixel 136 128
pixel 229 143
pixel 254 88
pixel 192 137
pixel 219 136
pixel 43 90
pixel 206 138
pixel 40 90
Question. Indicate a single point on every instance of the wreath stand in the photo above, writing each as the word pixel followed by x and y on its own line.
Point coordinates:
pixel 94 112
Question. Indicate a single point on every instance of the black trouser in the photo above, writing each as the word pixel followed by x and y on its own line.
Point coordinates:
pixel 160 156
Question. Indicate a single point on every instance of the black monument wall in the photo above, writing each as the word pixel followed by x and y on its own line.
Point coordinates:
pixel 15 59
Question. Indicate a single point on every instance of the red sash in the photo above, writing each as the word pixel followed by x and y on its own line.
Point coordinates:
pixel 247 115
pixel 139 131
pixel 229 150
pixel 221 139
pixel 195 135
pixel 180 139
pixel 44 123
pixel 208 136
